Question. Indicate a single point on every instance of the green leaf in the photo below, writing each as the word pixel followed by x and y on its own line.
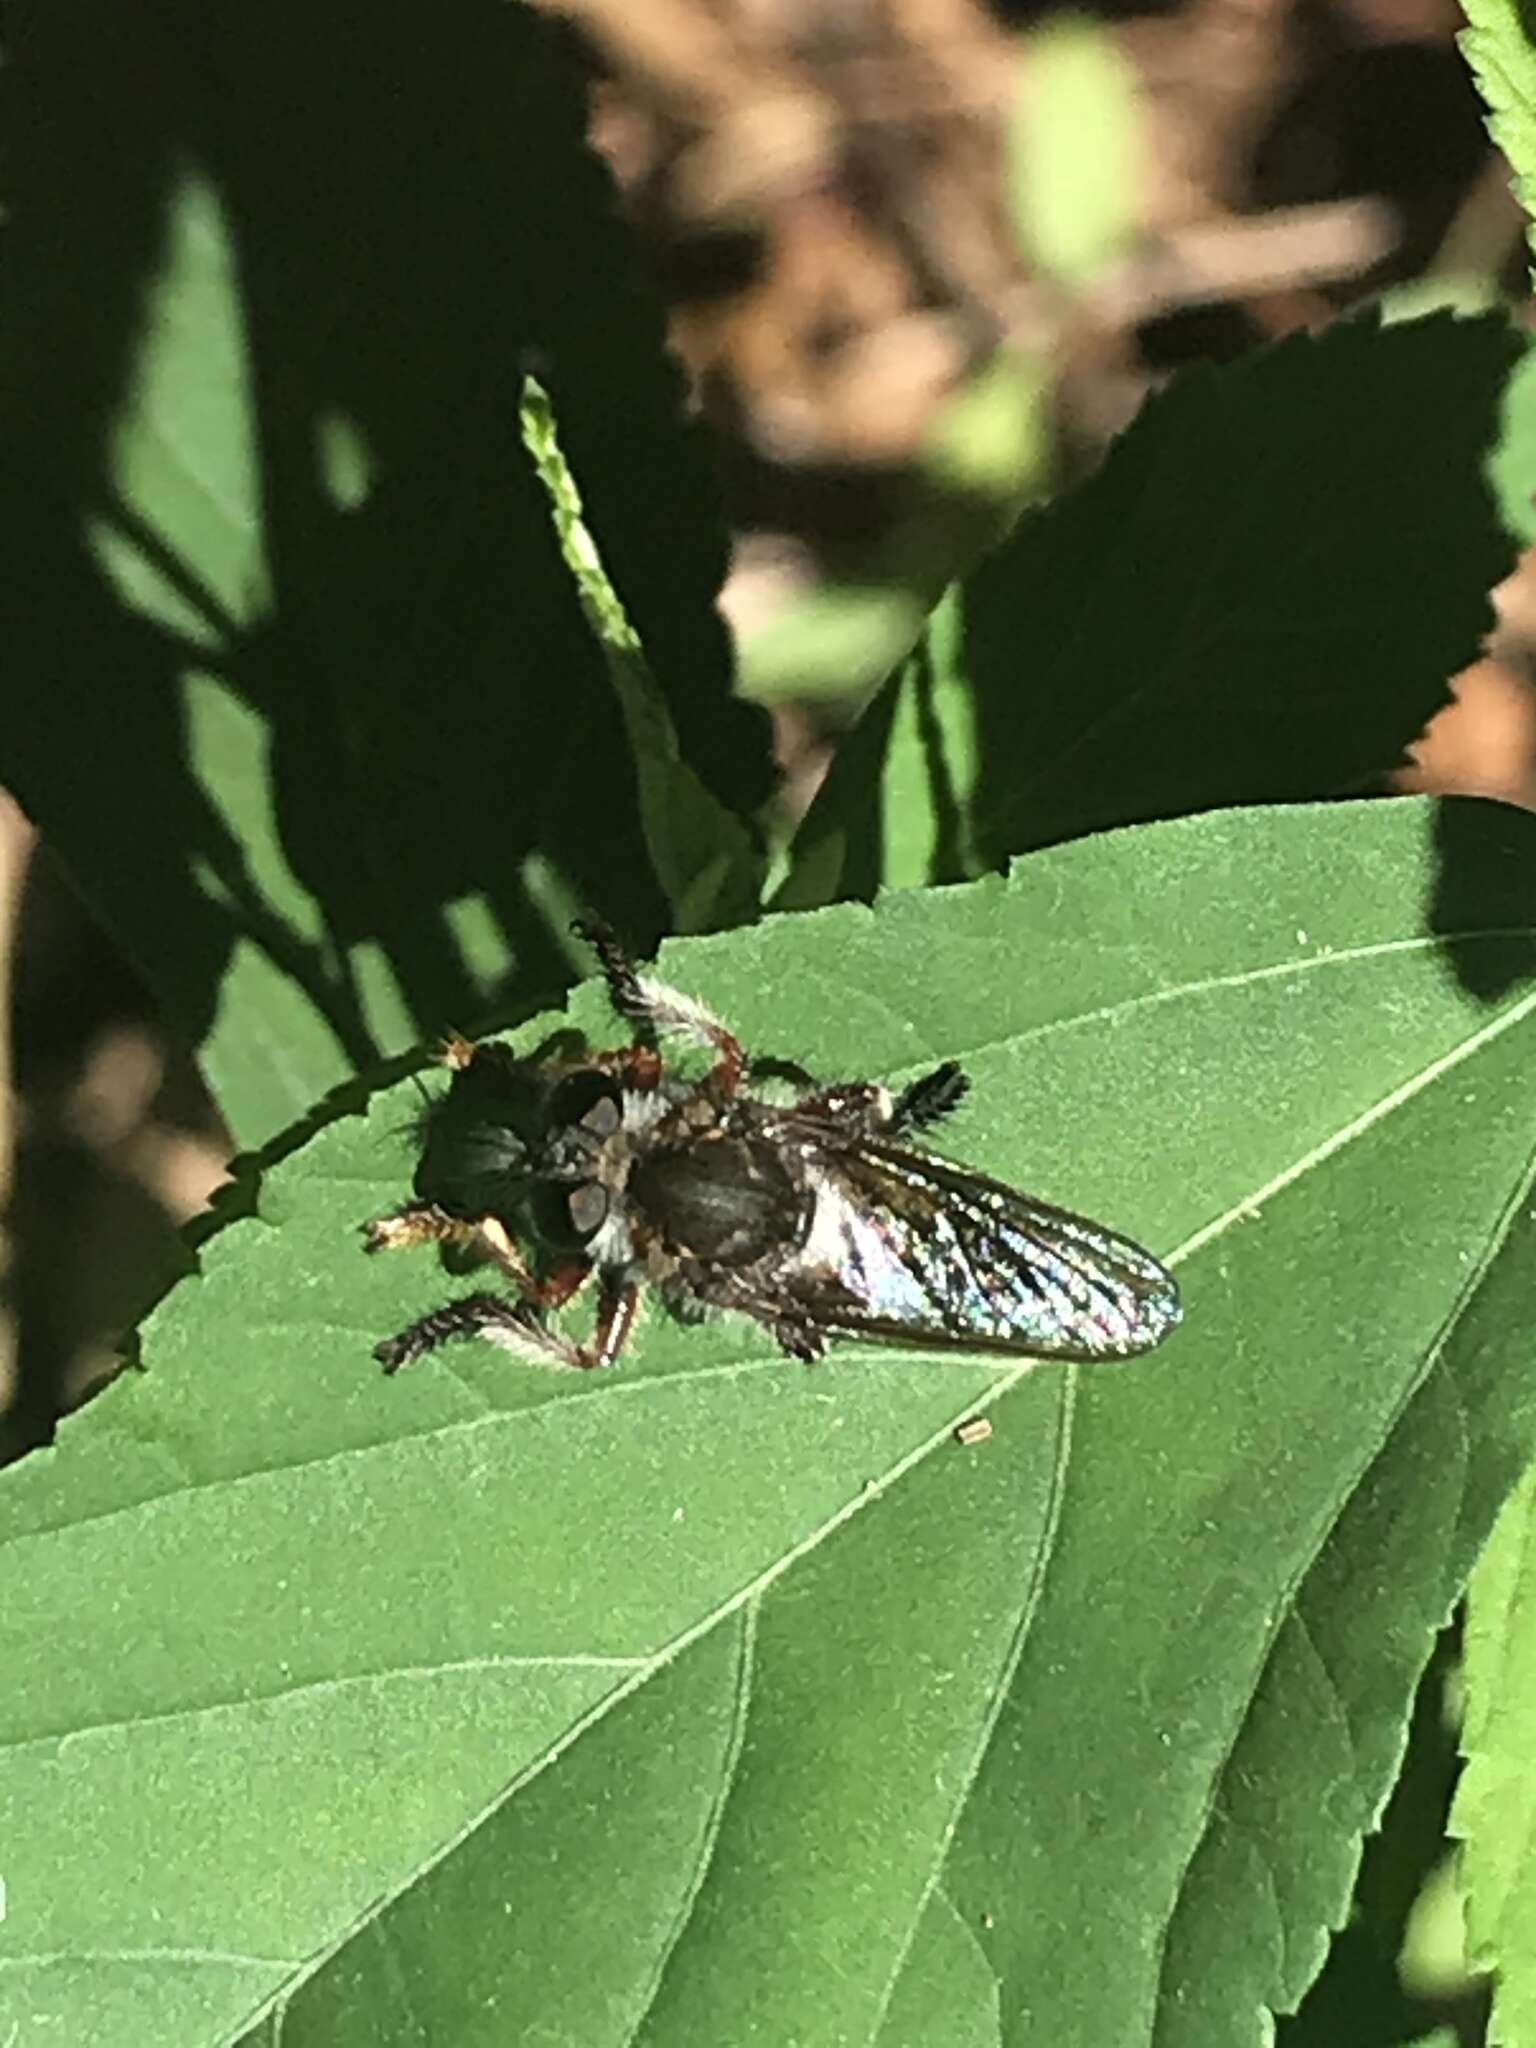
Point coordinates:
pixel 704 856
pixel 495 1703
pixel 1385 1980
pixel 304 695
pixel 946 1990
pixel 987 452
pixel 1494 1814
pixel 893 809
pixel 1259 597
pixel 1074 150
pixel 1503 61
pixel 1512 464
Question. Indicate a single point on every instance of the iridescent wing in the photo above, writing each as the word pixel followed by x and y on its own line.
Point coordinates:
pixel 908 1247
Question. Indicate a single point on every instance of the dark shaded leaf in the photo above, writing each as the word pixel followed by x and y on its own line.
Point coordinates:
pixel 302 693
pixel 1260 596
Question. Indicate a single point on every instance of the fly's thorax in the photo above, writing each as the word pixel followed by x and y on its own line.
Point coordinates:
pixel 720 1197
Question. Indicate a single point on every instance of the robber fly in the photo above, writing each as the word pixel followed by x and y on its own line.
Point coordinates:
pixel 819 1218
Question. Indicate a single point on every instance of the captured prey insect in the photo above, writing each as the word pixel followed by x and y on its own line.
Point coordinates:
pixel 818 1218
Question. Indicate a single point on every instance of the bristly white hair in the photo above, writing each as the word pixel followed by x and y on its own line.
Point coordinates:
pixel 646 1106
pixel 507 1337
pixel 679 1015
pixel 612 1244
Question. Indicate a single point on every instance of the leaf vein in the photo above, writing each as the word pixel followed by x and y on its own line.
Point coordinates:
pixel 133 1958
pixel 1287 1607
pixel 1305 963
pixel 741 1703
pixel 1029 1607
pixel 315 1686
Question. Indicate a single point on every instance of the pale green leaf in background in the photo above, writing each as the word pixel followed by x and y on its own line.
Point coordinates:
pixel 705 858
pixel 894 809
pixel 1399 1966
pixel 1512 464
pixel 987 453
pixel 1074 148
pixel 1499 51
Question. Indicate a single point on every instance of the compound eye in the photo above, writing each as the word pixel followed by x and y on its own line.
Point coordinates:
pixel 588 1097
pixel 603 1118
pixel 588 1207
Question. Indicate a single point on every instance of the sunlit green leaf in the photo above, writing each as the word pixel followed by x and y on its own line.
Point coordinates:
pixel 1495 1810
pixel 1075 145
pixel 1499 49
pixel 610 1710
pixel 1512 464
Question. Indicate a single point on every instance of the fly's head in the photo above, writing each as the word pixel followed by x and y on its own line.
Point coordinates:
pixel 606 1142
pixel 524 1143
pixel 480 1138
pixel 549 1149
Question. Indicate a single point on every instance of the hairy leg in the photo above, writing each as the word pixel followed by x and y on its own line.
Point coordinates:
pixel 695 1290
pixel 517 1326
pixel 928 1099
pixel 652 1007
pixel 425 1223
pixel 506 1321
pixel 866 1106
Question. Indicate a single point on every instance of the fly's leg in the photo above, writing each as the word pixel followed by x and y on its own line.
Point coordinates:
pixel 928 1099
pixel 426 1223
pixel 517 1324
pixel 514 1321
pixel 866 1107
pixel 626 990
pixel 633 1066
pixel 694 1289
pixel 795 1339
pixel 654 1008
pixel 514 1325
pixel 497 1316
pixel 616 1306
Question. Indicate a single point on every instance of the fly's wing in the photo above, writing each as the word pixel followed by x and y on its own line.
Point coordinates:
pixel 908 1247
